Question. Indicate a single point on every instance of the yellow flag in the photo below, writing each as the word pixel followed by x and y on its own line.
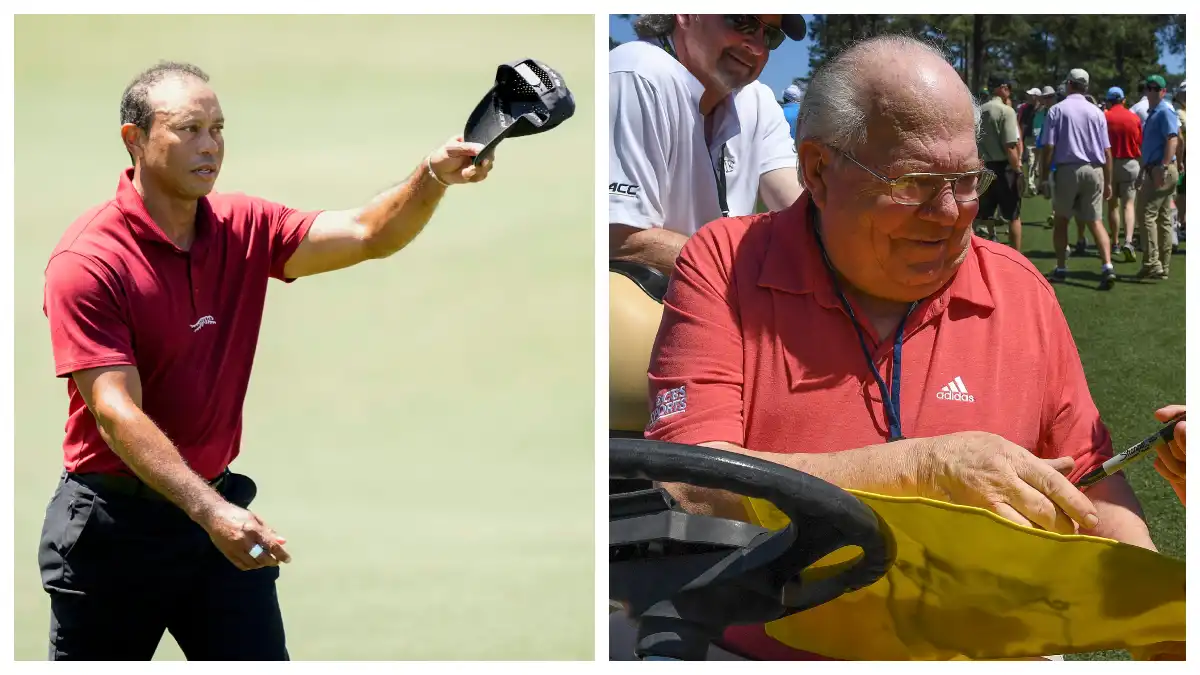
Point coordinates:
pixel 968 584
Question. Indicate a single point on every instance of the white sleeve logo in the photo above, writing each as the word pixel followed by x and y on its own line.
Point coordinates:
pixel 667 403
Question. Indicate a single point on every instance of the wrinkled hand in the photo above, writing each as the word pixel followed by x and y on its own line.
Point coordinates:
pixel 235 531
pixel 984 470
pixel 1171 461
pixel 452 163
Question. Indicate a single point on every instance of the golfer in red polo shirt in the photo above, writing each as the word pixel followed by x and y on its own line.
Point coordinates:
pixel 864 336
pixel 155 299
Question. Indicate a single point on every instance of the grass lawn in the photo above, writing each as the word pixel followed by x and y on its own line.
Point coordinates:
pixel 1131 341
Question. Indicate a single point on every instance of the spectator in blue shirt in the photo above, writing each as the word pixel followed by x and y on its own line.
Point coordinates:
pixel 792 96
pixel 1158 181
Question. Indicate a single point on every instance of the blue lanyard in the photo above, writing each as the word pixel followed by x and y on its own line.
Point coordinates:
pixel 891 397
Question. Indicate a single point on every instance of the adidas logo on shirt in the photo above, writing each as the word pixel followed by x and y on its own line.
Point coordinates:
pixel 955 391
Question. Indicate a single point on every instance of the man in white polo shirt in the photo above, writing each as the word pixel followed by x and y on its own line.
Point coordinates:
pixel 694 135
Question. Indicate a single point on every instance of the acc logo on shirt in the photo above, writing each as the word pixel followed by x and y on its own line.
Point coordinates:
pixel 624 189
pixel 667 403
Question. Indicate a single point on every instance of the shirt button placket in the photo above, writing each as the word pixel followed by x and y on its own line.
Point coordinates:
pixel 195 288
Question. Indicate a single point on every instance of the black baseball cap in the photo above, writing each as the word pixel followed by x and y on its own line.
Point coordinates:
pixel 793 26
pixel 999 80
pixel 529 97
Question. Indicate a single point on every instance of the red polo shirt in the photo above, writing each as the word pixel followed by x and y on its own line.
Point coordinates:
pixel 755 349
pixel 119 292
pixel 1124 135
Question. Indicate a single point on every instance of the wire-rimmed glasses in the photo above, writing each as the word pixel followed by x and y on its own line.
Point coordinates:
pixel 914 189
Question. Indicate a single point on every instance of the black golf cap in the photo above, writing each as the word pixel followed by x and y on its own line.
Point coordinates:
pixel 793 26
pixel 529 98
pixel 999 80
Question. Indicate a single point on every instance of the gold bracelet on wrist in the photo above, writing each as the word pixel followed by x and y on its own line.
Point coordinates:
pixel 429 167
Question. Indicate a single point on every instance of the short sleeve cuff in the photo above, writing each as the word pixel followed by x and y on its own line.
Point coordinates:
pixel 624 211
pixel 789 162
pixel 693 435
pixel 65 369
pixel 292 242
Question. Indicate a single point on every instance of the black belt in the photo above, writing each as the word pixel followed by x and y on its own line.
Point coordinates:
pixel 130 486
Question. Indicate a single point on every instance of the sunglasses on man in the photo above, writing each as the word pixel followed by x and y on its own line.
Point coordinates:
pixel 748 24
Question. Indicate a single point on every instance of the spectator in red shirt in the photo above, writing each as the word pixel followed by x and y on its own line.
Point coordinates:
pixel 1125 136
pixel 154 300
pixel 782 333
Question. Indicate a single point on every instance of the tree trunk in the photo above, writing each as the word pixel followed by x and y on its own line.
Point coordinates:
pixel 977 53
pixel 1120 63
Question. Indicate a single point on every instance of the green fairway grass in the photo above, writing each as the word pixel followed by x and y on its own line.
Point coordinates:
pixel 1131 341
pixel 421 428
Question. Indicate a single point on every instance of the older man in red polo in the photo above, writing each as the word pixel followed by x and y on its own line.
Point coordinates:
pixel 864 336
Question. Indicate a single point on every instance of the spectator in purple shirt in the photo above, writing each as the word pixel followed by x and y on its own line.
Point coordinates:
pixel 1076 140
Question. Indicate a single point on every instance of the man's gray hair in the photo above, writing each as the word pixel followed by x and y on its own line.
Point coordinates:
pixel 648 26
pixel 834 111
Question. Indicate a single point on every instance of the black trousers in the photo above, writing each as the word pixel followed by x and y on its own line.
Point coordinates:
pixel 121 570
pixel 1003 194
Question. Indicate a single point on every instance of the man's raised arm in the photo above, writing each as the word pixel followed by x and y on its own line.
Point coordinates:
pixel 340 239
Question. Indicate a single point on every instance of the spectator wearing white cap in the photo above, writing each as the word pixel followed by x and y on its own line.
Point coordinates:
pixel 1077 139
pixel 1047 99
pixel 792 96
pixel 1025 113
pixel 1080 242
pixel 695 136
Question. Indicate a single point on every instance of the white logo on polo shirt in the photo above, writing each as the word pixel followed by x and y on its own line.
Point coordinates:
pixel 205 320
pixel 956 391
pixel 668 403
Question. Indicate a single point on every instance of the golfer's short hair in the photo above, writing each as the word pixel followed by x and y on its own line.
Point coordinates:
pixel 135 102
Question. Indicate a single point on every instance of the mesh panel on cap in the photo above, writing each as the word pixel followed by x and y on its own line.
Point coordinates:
pixel 526 97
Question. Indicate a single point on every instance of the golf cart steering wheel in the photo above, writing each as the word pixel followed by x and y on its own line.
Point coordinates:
pixel 684 578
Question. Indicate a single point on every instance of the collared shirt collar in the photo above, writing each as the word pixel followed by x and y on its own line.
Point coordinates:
pixel 143 226
pixel 793 264
pixel 725 110
pixel 1162 104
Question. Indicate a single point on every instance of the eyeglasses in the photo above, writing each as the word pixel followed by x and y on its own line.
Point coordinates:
pixel 914 189
pixel 748 24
